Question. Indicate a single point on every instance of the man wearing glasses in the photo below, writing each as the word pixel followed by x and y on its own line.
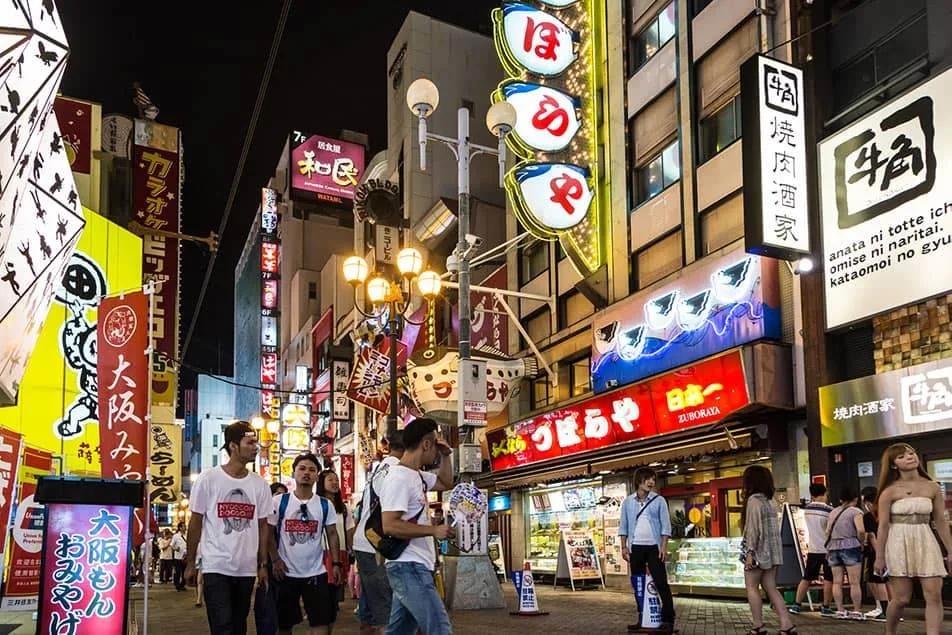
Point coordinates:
pixel 301 520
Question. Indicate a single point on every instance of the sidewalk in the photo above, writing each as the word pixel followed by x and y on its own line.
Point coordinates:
pixel 580 612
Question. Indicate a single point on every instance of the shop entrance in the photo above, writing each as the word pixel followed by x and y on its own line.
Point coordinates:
pixel 711 510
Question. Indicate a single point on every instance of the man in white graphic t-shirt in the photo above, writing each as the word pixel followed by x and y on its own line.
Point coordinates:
pixel 300 520
pixel 373 606
pixel 403 506
pixel 230 507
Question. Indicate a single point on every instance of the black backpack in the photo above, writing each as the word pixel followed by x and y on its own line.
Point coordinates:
pixel 387 546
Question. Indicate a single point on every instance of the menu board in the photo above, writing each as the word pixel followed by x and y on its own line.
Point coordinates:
pixel 578 558
pixel 798 524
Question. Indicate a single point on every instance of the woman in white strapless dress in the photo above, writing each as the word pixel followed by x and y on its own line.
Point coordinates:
pixel 910 503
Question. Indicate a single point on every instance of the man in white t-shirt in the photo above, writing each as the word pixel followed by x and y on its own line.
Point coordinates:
pixel 374 604
pixel 300 520
pixel 179 547
pixel 403 506
pixel 230 509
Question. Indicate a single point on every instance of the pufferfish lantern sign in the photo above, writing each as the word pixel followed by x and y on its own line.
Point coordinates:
pixel 547 53
pixel 40 214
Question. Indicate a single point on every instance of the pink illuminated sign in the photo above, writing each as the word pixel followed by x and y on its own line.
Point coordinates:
pixel 85 568
pixel 323 168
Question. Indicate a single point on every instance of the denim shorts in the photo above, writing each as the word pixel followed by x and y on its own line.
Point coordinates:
pixel 845 557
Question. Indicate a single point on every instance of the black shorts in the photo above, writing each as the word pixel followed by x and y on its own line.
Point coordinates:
pixel 320 606
pixel 816 562
pixel 869 575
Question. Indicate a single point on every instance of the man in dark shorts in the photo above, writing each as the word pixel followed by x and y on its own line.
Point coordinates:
pixel 816 515
pixel 301 519
pixel 877 584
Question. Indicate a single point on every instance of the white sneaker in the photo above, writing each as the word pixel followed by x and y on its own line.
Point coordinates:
pixel 876 614
pixel 842 615
pixel 856 615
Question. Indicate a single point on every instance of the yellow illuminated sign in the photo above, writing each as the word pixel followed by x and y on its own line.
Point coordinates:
pixel 57 406
pixel 565 38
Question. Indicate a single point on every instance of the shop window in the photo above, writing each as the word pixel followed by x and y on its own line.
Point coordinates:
pixel 656 261
pixel 659 173
pixel 653 37
pixel 573 307
pixel 533 261
pixel 539 397
pixel 719 130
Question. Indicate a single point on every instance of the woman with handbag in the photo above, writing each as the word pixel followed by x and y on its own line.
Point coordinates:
pixel 761 551
pixel 912 533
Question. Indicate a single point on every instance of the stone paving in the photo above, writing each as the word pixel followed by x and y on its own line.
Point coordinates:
pixel 587 612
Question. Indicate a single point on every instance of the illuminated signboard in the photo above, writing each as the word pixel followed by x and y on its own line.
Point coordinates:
pixel 84 588
pixel 269 211
pixel 324 169
pixel 721 304
pixel 269 332
pixel 776 217
pixel 270 290
pixel 692 396
pixel 269 368
pixel 295 427
pixel 269 294
pixel 269 257
pixel 548 54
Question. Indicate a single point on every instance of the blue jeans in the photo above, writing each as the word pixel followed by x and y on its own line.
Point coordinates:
pixel 374 605
pixel 416 604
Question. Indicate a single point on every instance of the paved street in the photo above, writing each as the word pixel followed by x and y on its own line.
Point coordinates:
pixel 586 612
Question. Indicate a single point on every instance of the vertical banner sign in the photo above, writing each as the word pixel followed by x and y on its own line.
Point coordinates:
pixel 490 326
pixel 76 128
pixel 10 444
pixel 123 368
pixel 340 378
pixel 22 582
pixel 776 219
pixel 270 276
pixel 165 460
pixel 157 192
pixel 346 477
pixel 85 586
pixel 549 54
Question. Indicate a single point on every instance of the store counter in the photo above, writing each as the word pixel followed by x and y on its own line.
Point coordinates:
pixel 706 566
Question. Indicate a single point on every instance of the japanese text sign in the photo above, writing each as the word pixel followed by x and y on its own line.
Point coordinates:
pixel 323 168
pixel 887 218
pixel 347 476
pixel 10 444
pixel 340 377
pixel 537 41
pixel 123 369
pixel 897 403
pixel 775 159
pixel 269 211
pixel 85 569
pixel 165 459
pixel 270 257
pixel 490 326
pixel 370 379
pixel 716 305
pixel 692 396
pixel 22 582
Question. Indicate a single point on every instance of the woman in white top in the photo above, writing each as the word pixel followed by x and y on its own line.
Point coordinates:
pixel 909 502
pixel 328 486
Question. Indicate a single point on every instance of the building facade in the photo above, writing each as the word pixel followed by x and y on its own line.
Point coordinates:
pixel 214 411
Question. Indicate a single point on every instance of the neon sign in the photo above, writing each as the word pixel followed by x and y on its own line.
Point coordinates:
pixel 549 60
pixel 692 396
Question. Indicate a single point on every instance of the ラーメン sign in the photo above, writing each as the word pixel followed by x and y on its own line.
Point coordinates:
pixel 547 53
pixel 886 210
pixel 692 396
pixel 776 217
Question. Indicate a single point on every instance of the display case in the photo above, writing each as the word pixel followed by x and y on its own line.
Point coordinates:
pixel 706 566
pixel 552 510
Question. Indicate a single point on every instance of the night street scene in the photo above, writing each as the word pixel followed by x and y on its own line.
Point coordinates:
pixel 495 316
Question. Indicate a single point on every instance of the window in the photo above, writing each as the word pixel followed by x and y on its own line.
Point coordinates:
pixel 656 261
pixel 215 460
pixel 659 173
pixel 575 376
pixel 215 440
pixel 654 36
pixel 539 396
pixel 720 129
pixel 533 260
pixel 699 5
pixel 538 326
pixel 311 290
pixel 573 307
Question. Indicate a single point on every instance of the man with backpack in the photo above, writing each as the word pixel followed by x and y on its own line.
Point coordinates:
pixel 301 522
pixel 406 537
pixel 374 605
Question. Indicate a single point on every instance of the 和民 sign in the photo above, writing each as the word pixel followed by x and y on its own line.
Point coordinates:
pixel 887 213
pixel 776 217
pixel 324 169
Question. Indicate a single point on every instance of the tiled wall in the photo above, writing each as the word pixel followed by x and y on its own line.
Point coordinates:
pixel 913 335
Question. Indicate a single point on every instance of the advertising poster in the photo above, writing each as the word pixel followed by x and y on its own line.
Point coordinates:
pixel 57 404
pixel 85 569
pixel 10 445
pixel 22 580
pixel 324 169
pixel 579 550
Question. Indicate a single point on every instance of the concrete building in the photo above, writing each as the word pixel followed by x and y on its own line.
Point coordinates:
pixel 247 349
pixel 215 410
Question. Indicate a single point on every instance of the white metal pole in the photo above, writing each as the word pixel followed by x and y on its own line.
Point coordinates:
pixel 462 178
pixel 147 510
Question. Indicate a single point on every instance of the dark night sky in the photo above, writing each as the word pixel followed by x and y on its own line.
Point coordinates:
pixel 203 71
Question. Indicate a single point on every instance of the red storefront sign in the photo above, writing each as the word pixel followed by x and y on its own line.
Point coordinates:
pixel 347 477
pixel 22 584
pixel 270 254
pixel 697 395
pixel 10 443
pixel 123 369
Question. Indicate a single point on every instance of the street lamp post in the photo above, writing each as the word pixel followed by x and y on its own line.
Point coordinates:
pixel 423 97
pixel 391 298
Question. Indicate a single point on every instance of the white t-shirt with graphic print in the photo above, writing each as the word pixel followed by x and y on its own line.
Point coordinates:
pixel 401 490
pixel 300 543
pixel 231 508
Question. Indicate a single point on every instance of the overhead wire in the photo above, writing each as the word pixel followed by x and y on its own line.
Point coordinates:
pixel 240 168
